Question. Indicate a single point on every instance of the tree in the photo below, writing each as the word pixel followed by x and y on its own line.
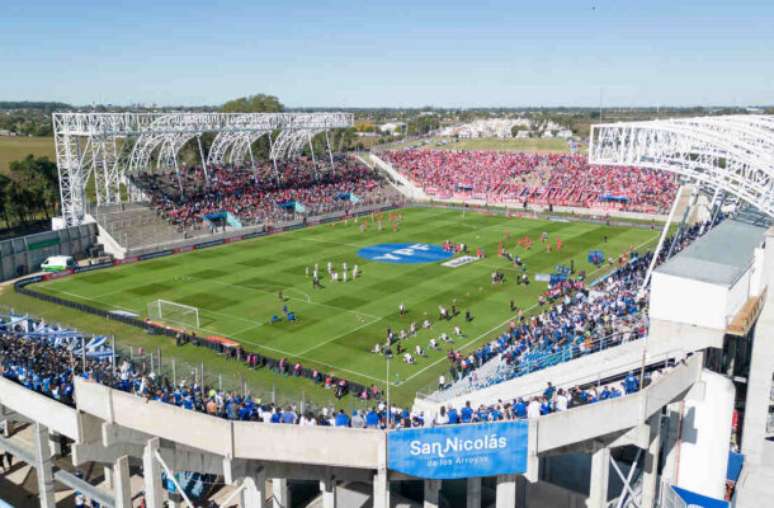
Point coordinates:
pixel 423 125
pixel 5 183
pixel 258 103
pixel 32 188
pixel 343 140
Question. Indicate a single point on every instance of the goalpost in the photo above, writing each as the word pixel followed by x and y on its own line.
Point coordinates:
pixel 175 313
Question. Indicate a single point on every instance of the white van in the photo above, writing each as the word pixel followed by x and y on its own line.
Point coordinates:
pixel 58 264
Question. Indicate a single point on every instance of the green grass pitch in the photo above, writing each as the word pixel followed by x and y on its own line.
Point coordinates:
pixel 235 287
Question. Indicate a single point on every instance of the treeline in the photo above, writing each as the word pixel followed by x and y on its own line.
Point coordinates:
pixel 29 191
pixel 39 105
pixel 27 122
pixel 29 118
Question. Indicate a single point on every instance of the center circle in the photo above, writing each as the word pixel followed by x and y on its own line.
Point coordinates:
pixel 404 253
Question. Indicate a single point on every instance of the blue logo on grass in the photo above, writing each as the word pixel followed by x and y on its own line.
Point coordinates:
pixel 404 253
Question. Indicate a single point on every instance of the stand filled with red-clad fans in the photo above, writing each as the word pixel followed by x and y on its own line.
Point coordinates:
pixel 537 179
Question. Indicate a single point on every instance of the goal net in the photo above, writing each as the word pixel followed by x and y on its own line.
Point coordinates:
pixel 174 313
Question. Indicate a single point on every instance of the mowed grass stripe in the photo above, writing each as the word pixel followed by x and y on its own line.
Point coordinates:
pixel 235 287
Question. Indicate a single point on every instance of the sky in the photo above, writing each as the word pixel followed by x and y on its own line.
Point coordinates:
pixel 395 53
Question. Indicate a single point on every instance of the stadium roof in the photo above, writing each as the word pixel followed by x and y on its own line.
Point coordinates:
pixel 719 257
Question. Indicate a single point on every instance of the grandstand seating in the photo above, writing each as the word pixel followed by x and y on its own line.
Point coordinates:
pixel 542 179
pixel 301 187
pixel 136 225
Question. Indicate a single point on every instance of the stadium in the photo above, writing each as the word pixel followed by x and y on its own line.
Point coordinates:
pixel 400 327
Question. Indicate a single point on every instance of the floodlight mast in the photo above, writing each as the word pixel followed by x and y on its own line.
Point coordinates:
pixel 107 146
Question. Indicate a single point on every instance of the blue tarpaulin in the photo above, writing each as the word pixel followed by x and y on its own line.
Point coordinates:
pixel 347 196
pixel 216 215
pixel 224 216
pixel 613 198
pixel 694 499
pixel 292 204
pixel 735 463
pixel 233 221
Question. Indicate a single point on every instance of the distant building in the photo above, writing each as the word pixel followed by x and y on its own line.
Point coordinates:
pixel 492 128
pixel 392 127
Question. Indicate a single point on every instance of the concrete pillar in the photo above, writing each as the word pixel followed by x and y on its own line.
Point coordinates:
pixel 7 428
pixel 122 487
pixel 761 368
pixel 55 444
pixel 254 493
pixel 473 496
pixel 328 490
pixel 756 411
pixel 381 489
pixel 152 475
pixel 506 491
pixel 44 466
pixel 670 440
pixel 432 493
pixel 108 474
pixel 521 491
pixel 650 469
pixel 600 476
pixel 280 493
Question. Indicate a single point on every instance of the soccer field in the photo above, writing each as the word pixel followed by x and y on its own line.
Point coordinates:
pixel 235 287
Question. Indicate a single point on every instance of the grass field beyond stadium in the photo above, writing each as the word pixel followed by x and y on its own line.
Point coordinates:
pixel 235 287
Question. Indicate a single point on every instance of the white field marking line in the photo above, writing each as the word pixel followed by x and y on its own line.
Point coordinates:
pixel 357 313
pixel 334 367
pixel 339 336
pixel 81 297
pixel 98 299
pixel 467 344
pixel 269 348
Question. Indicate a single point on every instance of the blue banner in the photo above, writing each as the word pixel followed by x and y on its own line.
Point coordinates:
pixel 158 254
pixel 405 253
pixel 459 451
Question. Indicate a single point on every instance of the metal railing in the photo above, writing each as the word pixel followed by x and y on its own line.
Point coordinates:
pixel 614 339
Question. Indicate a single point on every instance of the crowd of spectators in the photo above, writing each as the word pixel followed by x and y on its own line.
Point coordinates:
pixel 574 320
pixel 261 195
pixel 49 367
pixel 528 178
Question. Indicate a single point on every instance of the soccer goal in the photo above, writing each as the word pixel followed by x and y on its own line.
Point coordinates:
pixel 174 313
